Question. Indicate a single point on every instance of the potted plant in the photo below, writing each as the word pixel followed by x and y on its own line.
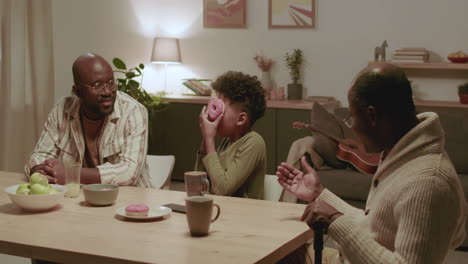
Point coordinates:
pixel 294 62
pixel 153 102
pixel 463 93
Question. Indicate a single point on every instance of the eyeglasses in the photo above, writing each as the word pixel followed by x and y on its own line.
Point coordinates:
pixel 99 86
pixel 348 121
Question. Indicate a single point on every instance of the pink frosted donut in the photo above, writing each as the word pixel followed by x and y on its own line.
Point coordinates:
pixel 137 210
pixel 215 108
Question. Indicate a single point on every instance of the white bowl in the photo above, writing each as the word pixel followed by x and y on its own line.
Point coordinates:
pixel 39 202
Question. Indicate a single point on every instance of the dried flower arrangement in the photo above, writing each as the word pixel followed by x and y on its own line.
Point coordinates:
pixel 263 63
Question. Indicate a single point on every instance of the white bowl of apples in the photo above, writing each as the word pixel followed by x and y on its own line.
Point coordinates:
pixel 37 195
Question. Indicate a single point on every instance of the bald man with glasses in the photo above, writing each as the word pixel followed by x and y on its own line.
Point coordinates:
pixel 104 129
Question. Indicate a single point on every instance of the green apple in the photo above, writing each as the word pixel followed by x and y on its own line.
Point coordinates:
pixel 23 189
pixel 39 189
pixel 38 178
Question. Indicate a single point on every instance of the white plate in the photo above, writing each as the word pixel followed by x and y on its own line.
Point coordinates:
pixel 154 212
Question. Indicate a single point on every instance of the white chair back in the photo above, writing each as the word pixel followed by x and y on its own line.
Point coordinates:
pixel 272 189
pixel 160 170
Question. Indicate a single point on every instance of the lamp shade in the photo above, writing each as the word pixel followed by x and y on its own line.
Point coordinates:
pixel 166 51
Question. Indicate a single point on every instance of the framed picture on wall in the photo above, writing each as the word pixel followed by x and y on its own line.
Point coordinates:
pixel 291 13
pixel 224 13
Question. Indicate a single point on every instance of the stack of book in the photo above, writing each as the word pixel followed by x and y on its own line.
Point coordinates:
pixel 411 55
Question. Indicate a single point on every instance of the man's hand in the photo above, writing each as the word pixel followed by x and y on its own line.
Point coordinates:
pixel 320 211
pixel 55 169
pixel 305 186
pixel 41 169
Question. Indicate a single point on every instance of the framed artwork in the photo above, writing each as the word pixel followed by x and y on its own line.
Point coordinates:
pixel 224 13
pixel 291 14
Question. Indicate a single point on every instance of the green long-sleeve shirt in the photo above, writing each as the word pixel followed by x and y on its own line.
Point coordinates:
pixel 238 168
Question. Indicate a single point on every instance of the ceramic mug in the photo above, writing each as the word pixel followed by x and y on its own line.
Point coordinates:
pixel 199 214
pixel 196 183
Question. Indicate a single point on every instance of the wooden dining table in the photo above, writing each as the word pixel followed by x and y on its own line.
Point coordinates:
pixel 247 231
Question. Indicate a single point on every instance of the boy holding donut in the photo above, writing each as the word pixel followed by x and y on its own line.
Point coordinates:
pixel 237 166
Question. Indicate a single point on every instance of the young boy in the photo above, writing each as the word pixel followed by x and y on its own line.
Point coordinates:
pixel 237 167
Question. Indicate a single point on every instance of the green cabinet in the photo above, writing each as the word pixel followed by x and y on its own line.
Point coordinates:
pixel 286 134
pixel 176 132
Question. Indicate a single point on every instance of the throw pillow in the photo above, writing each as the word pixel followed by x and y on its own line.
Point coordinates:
pixel 329 125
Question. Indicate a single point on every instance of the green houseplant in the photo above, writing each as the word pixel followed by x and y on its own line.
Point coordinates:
pixel 130 83
pixel 294 62
pixel 463 93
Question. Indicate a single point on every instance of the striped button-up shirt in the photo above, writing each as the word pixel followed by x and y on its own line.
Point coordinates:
pixel 122 143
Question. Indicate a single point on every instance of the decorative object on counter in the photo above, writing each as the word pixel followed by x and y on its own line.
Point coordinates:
pixel 379 51
pixel 153 103
pixel 294 62
pixel 198 87
pixel 411 55
pixel 291 14
pixel 458 57
pixel 277 94
pixel 463 93
pixel 166 51
pixel 320 98
pixel 267 83
pixel 224 14
pixel 265 64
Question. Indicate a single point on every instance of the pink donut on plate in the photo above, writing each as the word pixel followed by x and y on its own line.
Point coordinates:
pixel 137 210
pixel 215 108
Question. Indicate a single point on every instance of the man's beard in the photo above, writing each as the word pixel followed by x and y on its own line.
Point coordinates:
pixel 100 111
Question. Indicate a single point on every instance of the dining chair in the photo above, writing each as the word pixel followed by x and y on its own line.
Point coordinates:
pixel 272 189
pixel 160 170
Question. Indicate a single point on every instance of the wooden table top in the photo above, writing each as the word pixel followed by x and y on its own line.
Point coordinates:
pixel 247 231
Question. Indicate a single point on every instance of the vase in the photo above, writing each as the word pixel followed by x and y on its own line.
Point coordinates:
pixel 294 91
pixel 266 81
pixel 463 98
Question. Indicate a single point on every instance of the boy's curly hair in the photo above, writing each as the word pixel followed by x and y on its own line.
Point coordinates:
pixel 242 89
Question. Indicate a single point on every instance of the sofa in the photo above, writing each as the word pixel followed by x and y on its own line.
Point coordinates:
pixel 353 186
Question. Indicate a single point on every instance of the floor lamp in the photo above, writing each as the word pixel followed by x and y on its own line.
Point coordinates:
pixel 166 51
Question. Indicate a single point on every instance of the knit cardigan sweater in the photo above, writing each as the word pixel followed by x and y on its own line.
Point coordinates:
pixel 416 209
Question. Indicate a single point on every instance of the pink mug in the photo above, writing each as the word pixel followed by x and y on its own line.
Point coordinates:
pixel 196 183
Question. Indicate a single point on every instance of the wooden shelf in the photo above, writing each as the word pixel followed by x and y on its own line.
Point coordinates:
pixel 286 104
pixel 428 65
pixel 434 103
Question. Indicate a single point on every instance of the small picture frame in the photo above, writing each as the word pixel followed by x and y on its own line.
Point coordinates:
pixel 291 13
pixel 224 14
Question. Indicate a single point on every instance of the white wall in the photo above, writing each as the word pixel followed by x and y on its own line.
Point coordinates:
pixel 342 43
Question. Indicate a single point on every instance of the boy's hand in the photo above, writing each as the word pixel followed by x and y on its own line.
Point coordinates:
pixel 208 128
